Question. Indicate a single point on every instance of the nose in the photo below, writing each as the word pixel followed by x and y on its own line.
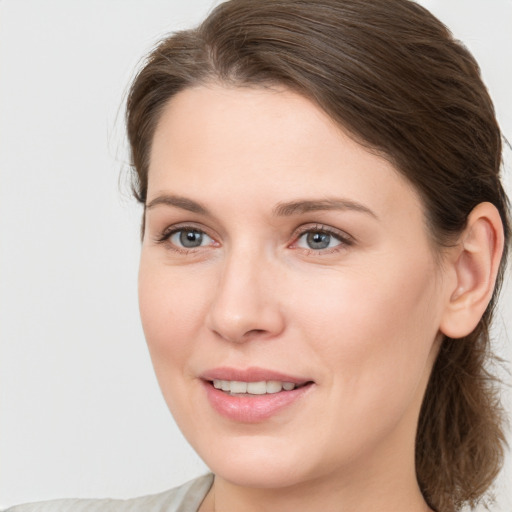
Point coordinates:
pixel 246 304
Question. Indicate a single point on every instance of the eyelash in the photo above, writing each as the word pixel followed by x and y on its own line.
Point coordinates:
pixel 165 236
pixel 345 239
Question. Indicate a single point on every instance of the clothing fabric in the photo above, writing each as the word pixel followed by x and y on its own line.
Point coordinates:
pixel 185 498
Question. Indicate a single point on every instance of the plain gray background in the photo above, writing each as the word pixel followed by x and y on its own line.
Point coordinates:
pixel 80 411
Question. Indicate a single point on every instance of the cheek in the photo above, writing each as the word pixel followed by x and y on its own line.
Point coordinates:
pixel 171 305
pixel 374 338
pixel 375 330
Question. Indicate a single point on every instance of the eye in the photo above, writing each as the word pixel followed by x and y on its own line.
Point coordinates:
pixel 189 238
pixel 317 240
pixel 322 238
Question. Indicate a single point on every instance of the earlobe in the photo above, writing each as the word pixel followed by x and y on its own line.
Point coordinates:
pixel 475 264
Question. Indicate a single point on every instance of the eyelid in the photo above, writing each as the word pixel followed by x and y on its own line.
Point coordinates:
pixel 344 238
pixel 164 236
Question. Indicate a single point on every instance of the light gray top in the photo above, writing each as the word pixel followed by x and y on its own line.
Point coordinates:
pixel 186 498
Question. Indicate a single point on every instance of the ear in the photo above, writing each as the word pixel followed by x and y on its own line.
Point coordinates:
pixel 474 263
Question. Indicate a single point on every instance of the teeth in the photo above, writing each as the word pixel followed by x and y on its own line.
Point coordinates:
pixel 274 386
pixel 253 388
pixel 257 388
pixel 238 387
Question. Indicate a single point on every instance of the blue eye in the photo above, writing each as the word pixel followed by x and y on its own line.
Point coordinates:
pixel 189 238
pixel 320 239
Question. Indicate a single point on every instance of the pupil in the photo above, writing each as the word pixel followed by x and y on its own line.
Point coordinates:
pixel 318 240
pixel 191 238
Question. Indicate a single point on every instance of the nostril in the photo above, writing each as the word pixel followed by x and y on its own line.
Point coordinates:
pixel 254 332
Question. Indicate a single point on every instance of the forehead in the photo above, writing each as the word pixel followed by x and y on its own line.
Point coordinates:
pixel 215 139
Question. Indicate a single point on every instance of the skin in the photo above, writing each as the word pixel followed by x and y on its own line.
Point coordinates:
pixel 361 318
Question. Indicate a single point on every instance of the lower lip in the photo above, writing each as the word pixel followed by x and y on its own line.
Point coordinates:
pixel 255 408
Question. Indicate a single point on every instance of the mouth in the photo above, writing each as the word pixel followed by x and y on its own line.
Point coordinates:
pixel 262 387
pixel 253 395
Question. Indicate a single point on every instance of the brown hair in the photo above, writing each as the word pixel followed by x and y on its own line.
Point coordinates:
pixel 392 74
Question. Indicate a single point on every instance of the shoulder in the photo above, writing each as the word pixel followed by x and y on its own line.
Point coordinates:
pixel 185 498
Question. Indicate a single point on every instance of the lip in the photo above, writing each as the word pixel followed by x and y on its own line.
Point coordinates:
pixel 255 408
pixel 252 374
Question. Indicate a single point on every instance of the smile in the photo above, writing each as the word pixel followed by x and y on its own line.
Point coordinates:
pixel 236 387
pixel 253 395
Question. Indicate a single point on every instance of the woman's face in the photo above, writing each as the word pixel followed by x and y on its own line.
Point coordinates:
pixel 279 252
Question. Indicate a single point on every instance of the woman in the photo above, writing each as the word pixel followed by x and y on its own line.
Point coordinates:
pixel 324 236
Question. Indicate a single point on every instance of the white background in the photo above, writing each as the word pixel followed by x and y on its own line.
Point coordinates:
pixel 80 411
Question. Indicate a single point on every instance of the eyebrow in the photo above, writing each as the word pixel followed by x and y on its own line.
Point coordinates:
pixel 179 202
pixel 307 205
pixel 287 209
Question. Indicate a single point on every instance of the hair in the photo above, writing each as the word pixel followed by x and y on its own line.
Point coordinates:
pixel 392 75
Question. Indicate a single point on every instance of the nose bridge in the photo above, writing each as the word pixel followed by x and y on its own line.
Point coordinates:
pixel 245 305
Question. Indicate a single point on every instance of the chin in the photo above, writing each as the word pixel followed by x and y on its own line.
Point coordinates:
pixel 262 461
pixel 259 473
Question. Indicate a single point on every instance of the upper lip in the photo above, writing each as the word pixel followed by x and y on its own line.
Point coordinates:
pixel 252 374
